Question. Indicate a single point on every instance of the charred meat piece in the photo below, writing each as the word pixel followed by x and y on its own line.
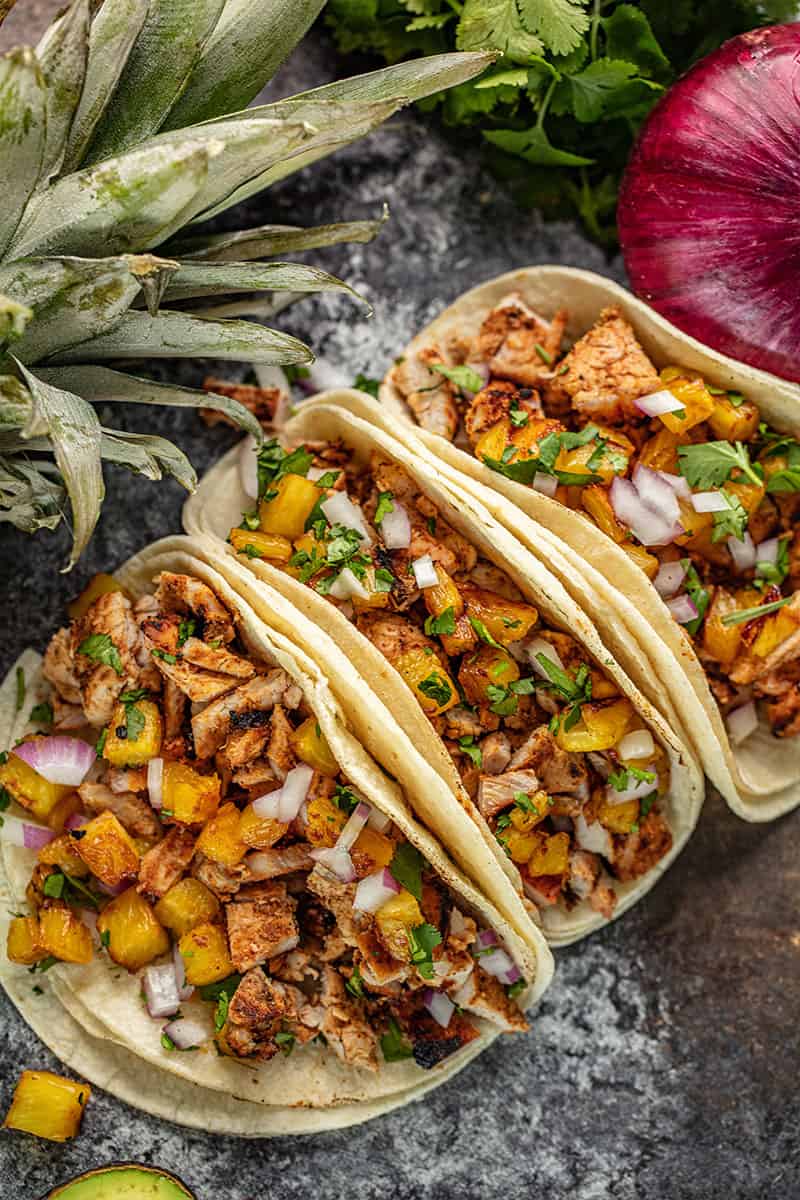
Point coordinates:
pixel 637 853
pixel 377 966
pixel 130 809
pixel 280 752
pixel 338 898
pixel 108 625
pixel 781 692
pixel 256 1013
pixel 261 929
pixel 347 1032
pixel 163 865
pixel 494 402
pixel 497 792
pixel 517 343
pixel 557 769
pixel 191 597
pixel 247 739
pixel 216 658
pixel 212 726
pixel 485 996
pixel 430 396
pixel 59 667
pixel 223 881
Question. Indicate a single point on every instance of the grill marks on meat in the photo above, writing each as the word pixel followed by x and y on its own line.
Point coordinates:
pixel 166 863
pixel 280 751
pixel 430 396
pixel 216 658
pixel 339 898
pixel 485 996
pixel 224 882
pixel 347 1032
pixel 210 727
pixel 130 809
pixel 493 403
pixel 637 853
pixel 261 929
pixel 558 770
pixel 81 679
pixel 508 339
pixel 191 597
pixel 255 1015
pixel 59 667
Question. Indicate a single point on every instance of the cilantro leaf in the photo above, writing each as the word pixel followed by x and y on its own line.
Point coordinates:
pixel 385 506
pixel 445 623
pixel 406 867
pixel 751 614
pixel 285 1041
pixel 42 714
pixel 436 687
pixel 534 146
pixel 274 462
pixel 700 595
pixel 587 94
pixel 484 634
pixel 421 942
pixel 363 383
pixel 769 574
pixel 465 378
pixel 393 1043
pixel 211 992
pixel 355 984
pixel 20 689
pixel 629 36
pixel 100 649
pixel 732 521
pixel 468 745
pixel 134 722
pixel 709 464
pixel 186 628
pixel 497 23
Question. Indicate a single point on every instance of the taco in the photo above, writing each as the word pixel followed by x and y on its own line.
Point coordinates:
pixel 476 649
pixel 220 880
pixel 671 476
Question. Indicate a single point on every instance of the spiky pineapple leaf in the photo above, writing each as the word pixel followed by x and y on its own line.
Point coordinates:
pixel 412 80
pixel 179 335
pixel 148 455
pixel 251 40
pixel 274 239
pixel 62 55
pixel 124 205
pixel 72 426
pixel 114 30
pixel 158 66
pixel 209 279
pixel 30 498
pixel 103 385
pixel 22 135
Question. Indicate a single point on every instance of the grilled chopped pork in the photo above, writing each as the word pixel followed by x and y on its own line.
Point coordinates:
pixel 272 863
pixel 557 769
pixel 164 864
pixel 107 627
pixel 224 882
pixel 485 996
pixel 280 752
pixel 339 898
pixel 430 396
pixel 344 1026
pixel 518 344
pixel 255 1014
pixel 59 667
pixel 130 809
pixel 494 402
pixel 496 753
pixel 211 726
pixel 636 853
pixel 261 929
pixel 189 596
pixel 497 792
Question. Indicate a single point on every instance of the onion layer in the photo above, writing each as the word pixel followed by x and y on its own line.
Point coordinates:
pixel 155 782
pixel 24 833
pixel 440 1007
pixel 373 892
pixel 396 528
pixel 286 801
pixel 669 579
pixel 161 990
pixel 58 759
pixel 425 572
pixel 683 609
pixel 186 1033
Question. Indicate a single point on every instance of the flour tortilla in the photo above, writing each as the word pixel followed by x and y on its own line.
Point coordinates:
pixel 217 506
pixel 760 779
pixel 311 1089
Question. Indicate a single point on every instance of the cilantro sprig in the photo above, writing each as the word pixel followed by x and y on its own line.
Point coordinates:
pixel 574 691
pixel 710 464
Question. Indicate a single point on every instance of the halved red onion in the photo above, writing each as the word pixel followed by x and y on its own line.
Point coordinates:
pixel 743 552
pixel 656 403
pixel 669 579
pixel 379 821
pixel 248 467
pixel 286 801
pixel 498 963
pixel 24 833
pixel 538 645
pixel 396 528
pixel 425 572
pixel 767 552
pixel 161 990
pixel 656 494
pixel 375 890
pixel 340 510
pixel 741 722
pixel 57 758
pixel 648 527
pixel 185 989
pixel 187 1033
pixel 347 585
pixel 546 484
pixel 155 781
pixel 679 485
pixel 709 502
pixel 593 836
pixel 683 609
pixel 439 1005
pixel 337 861
pixel 75 821
pixel 638 744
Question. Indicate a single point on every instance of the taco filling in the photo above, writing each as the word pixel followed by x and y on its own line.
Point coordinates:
pixel 685 477
pixel 557 761
pixel 193 825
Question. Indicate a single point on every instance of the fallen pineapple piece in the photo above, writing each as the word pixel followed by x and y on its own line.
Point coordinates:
pixel 127 747
pixel 64 935
pixel 48 1106
pixel 24 941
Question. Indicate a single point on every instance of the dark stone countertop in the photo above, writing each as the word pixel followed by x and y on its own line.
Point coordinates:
pixel 663 1060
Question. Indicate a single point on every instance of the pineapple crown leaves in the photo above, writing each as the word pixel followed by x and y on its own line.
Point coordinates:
pixel 127 124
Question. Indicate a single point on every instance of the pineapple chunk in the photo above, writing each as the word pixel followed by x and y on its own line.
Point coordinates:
pixel 286 514
pixel 64 935
pixel 644 560
pixel 260 832
pixel 135 937
pixel 698 403
pixel 108 850
pixel 506 620
pixel 493 442
pixel 62 852
pixel 720 641
pixel 443 595
pixel 317 554
pixel 98 585
pixel 62 810
pixel 187 796
pixel 660 453
pixel 776 629
pixel 324 821
pixel 124 751
pixel 595 500
pixel 379 849
pixel 428 680
pixel 205 955
pixel 731 424
pixel 551 856
pixel 24 941
pixel 518 845
pixel 397 916
pixel 311 746
pixel 488 667
pixel 601 727
pixel 256 544
pixel 187 903
pixel 47 1105
pixel 29 788
pixel 220 839
pixel 618 818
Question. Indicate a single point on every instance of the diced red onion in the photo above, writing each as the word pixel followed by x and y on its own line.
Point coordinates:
pixel 340 510
pixel 185 989
pixel 337 861
pixel 649 527
pixel 679 485
pixel 161 990
pixel 285 802
pixel 75 821
pixel 439 1005
pixel 155 782
pixel 741 722
pixel 638 744
pixel 656 494
pixel 396 528
pixel 709 502
pixel 767 552
pixel 248 467
pixel 186 1033
pixel 593 836
pixel 743 552
pixel 24 833
pixel 708 206
pixel 513 975
pixel 669 579
pixel 379 821
pixel 546 484
pixel 358 819
pixel 375 890
pixel 116 890
pixel 498 963
pixel 347 585
pixel 659 402
pixel 536 646
pixel 487 937
pixel 425 572
pixel 58 759
pixel 683 609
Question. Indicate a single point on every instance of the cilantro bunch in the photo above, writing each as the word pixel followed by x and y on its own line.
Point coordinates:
pixel 558 112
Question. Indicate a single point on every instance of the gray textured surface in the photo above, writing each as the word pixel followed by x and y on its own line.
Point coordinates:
pixel 663 1062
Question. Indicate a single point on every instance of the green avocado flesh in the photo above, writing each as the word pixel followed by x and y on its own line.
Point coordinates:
pixel 123 1183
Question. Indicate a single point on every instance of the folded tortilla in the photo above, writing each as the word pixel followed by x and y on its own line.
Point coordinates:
pixel 93 1016
pixel 217 506
pixel 759 778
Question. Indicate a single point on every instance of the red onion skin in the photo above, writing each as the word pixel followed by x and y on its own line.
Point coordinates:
pixel 708 206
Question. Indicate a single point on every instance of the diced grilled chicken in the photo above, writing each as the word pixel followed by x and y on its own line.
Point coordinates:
pixel 189 596
pixel 254 774
pixel 247 742
pixel 261 929
pixel 496 752
pixel 66 717
pixel 338 898
pixel 128 779
pixel 605 372
pixel 211 726
pixel 255 1014
pixel 344 1026
pixel 394 635
pixel 493 403
pixel 489 577
pixel 430 396
pixel 485 996
pixel 430 532
pixel 194 682
pixel 377 966
pixel 557 769
pixel 461 932
pixel 509 337
pixel 496 792
pixel 603 899
pixel 280 752
pixel 174 709
pixel 59 667
pixel 460 722
pixel 272 863
pixel 217 659
pixel 637 853
pixel 780 690
pixel 584 871
pixel 131 810
pixel 110 618
pixel 163 865
pixel 303 1019
pixel 224 882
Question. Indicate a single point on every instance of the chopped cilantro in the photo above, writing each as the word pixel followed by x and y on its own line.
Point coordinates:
pixel 251 551
pixel 385 506
pixel 445 623
pixel 620 779
pixel 37 991
pixel 709 464
pixel 518 417
pixel 466 379
pixel 186 629
pixel 523 801
pixel 431 523
pixel 43 965
pixel 406 868
pixel 285 1041
pixel 769 574
pixel 345 798
pixel 5 799
pixel 327 480
pixel 732 521
pixel 307 564
pixel 211 992
pixel 484 634
pixel 751 614
pixel 164 656
pixel 101 742
pixel 574 692
pixel 544 355
pixel 363 383
pixel 384 580
pixel 700 595
pixel 355 984
pixel 54 885
pixel 274 463
pixel 421 942
pixel 787 479
pixel 436 688
pixel 221 1011
pixel 167 1042
pixel 468 745
pixel 42 714
pixel 393 1043
pixel 100 648
pixel 250 521
pixel 105 938
pixel 514 989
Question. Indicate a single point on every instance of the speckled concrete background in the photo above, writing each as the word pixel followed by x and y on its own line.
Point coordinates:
pixel 663 1061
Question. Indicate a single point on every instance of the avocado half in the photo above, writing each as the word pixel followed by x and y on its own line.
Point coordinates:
pixel 123 1181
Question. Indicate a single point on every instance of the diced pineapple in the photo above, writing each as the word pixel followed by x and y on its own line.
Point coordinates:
pixel 187 903
pixel 775 629
pixel 526 819
pixel 29 788
pixel 108 850
pixel 24 941
pixel 256 544
pixel 377 848
pixel 98 585
pixel 644 560
pixel 444 595
pixel 120 749
pixel 528 437
pixel 461 640
pixel 493 441
pixel 62 852
pixel 576 462
pixel 721 642
pixel 62 810
pixel 601 726
pixel 47 1105
pixel 551 856
pixel 518 845
pixel 697 526
pixel 732 424
pixel 187 796
pixel 595 500
pixel 697 402
pixel 487 667
pixel 260 832
pixel 618 818
pixel 375 598
pixel 311 746
pixel 64 935
pixel 749 495
pixel 507 621
pixel 135 937
pixel 316 551
pixel 427 678
pixel 286 514
pixel 205 955
pixel 401 913
pixel 324 821
pixel 660 453
pixel 220 839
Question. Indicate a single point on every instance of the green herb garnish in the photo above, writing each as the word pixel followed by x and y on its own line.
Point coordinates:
pixel 393 1043
pixel 751 614
pixel 406 868
pixel 421 942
